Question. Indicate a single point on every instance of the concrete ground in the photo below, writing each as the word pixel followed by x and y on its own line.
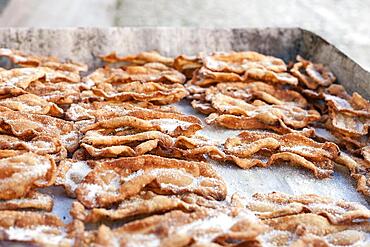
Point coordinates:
pixel 343 23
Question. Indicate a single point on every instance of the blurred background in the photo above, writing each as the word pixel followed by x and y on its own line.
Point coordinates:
pixel 346 24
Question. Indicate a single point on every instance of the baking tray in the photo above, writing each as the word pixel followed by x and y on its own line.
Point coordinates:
pixel 86 44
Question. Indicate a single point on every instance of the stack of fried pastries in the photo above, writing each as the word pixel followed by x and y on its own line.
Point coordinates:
pixel 135 168
pixel 273 219
pixel 296 113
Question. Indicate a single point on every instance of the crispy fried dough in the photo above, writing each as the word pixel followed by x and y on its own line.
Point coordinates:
pixel 315 230
pixel 250 149
pixel 26 60
pixel 143 204
pixel 305 220
pixel 150 72
pixel 140 59
pixel 350 115
pixel 346 120
pixel 252 123
pixel 173 124
pixel 39 145
pixel 312 75
pixel 30 103
pixel 44 82
pixel 292 116
pixel 276 204
pixel 106 110
pixel 350 124
pixel 33 228
pixel 205 77
pixel 177 228
pixel 352 143
pixel 33 200
pixel 337 98
pixel 187 64
pixel 116 180
pixel 156 93
pixel 270 76
pixel 240 62
pixel 20 77
pixel 359 170
pixel 203 107
pixel 260 90
pixel 27 126
pixel 21 173
pixel 308 220
pixel 197 146
pixel 98 145
pixel 60 93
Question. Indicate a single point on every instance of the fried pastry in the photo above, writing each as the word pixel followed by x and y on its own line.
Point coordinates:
pixel 237 114
pixel 11 146
pixel 305 220
pixel 312 75
pixel 177 228
pixel 250 123
pixel 251 92
pixel 22 77
pixel 156 93
pixel 250 149
pixel 142 131
pixel 205 77
pixel 116 180
pixel 173 124
pixel 19 78
pixel 241 67
pixel 139 59
pixel 359 169
pixel 260 91
pixel 350 115
pixel 346 120
pixel 187 64
pixel 24 172
pixel 276 204
pixel 316 230
pixel 33 200
pixel 60 93
pixel 295 117
pixel 31 103
pixel 98 145
pixel 144 204
pixel 196 148
pixel 27 126
pixel 26 60
pixel 240 62
pixel 105 110
pixel 150 72
pixel 33 228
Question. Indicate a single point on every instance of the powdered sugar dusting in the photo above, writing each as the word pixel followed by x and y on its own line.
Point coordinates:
pixel 92 192
pixel 168 125
pixel 134 175
pixel 43 234
pixel 75 174
pixel 138 240
pixel 205 230
pixel 70 138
